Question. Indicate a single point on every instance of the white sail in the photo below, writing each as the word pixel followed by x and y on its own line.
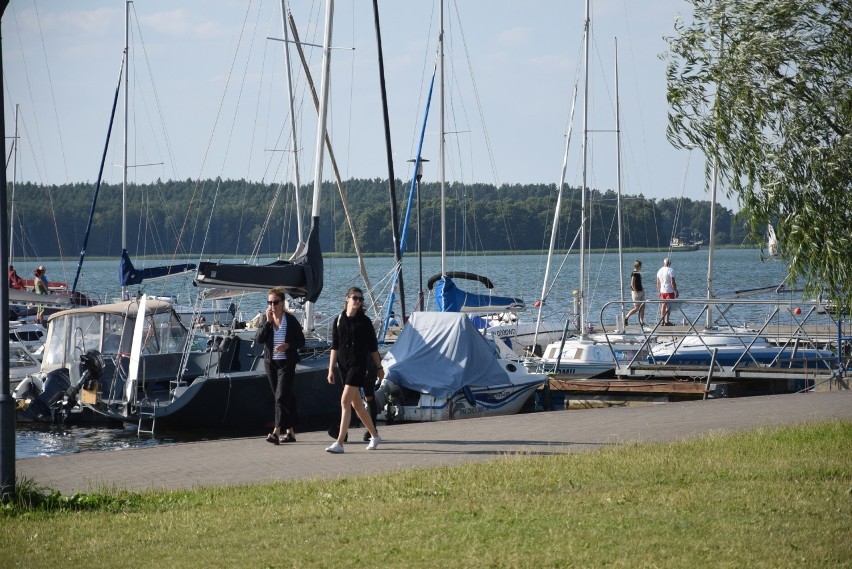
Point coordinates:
pixel 772 242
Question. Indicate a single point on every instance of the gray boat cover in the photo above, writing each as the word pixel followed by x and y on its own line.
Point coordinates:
pixel 439 353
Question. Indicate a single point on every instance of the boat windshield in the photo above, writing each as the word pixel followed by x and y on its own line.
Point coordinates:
pixel 164 334
pixel 74 334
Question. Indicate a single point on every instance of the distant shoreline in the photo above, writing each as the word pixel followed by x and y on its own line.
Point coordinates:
pixel 385 254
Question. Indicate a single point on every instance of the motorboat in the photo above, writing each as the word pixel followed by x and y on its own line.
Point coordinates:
pixel 30 335
pixel 441 367
pixel 592 356
pixel 157 371
pixel 21 363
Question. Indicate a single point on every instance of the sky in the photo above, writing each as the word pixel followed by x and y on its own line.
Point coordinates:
pixel 208 91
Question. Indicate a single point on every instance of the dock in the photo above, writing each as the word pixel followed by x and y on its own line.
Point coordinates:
pixel 228 462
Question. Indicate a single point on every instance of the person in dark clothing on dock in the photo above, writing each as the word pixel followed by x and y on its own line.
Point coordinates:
pixel 354 343
pixel 637 293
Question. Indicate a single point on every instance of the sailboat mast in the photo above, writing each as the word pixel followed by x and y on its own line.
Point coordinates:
pixel 293 137
pixel 618 184
pixel 14 178
pixel 581 294
pixel 320 139
pixel 323 109
pixel 126 122
pixel 711 246
pixel 554 230
pixel 441 167
pixel 333 161
pixel 391 177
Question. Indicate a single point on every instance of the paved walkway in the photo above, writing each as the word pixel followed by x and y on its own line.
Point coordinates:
pixel 245 461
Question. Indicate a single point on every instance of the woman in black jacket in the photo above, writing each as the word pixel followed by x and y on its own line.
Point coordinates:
pixel 354 344
pixel 282 336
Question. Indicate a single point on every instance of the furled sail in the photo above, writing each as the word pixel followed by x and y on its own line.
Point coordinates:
pixel 301 277
pixel 130 275
pixel 450 298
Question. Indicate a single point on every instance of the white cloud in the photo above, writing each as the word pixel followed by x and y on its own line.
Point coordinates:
pixel 179 23
pixel 91 22
pixel 514 36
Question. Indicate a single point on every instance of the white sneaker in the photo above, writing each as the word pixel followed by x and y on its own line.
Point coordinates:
pixel 335 448
pixel 374 443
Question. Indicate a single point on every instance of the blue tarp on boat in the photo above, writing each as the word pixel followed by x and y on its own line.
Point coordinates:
pixel 439 353
pixel 450 298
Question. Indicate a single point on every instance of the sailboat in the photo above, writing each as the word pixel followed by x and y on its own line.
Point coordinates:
pixel 590 355
pixel 128 273
pixel 144 366
pixel 441 366
pixel 772 242
pixel 689 239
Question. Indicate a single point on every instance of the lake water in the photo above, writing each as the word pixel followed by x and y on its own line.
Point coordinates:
pixel 512 275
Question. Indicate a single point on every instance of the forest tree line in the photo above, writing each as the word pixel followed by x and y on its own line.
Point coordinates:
pixel 214 218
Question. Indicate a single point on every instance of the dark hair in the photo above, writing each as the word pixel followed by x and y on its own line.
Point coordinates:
pixel 350 292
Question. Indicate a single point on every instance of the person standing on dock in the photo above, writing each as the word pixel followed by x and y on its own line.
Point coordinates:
pixel 637 293
pixel 667 285
pixel 282 336
pixel 40 286
pixel 353 343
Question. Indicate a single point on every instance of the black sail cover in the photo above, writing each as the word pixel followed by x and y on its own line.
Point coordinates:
pixel 129 275
pixel 301 277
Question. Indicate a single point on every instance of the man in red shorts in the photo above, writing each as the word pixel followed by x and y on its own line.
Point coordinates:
pixel 667 285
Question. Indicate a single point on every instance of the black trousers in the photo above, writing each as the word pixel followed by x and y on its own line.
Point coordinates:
pixel 282 374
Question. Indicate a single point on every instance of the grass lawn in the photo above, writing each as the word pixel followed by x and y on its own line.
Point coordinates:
pixel 772 498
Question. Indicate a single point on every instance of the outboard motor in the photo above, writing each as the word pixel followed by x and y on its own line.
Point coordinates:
pixel 91 372
pixel 37 405
pixel 91 367
pixel 388 397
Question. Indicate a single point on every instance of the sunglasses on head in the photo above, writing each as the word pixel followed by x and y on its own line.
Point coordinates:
pixel 357 298
pixel 273 302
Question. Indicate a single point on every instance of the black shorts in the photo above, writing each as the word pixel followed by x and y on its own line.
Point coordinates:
pixel 356 376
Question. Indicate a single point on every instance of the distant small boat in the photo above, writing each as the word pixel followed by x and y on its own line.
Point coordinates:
pixel 772 242
pixel 689 239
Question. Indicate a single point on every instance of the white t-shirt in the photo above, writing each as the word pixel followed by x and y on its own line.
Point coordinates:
pixel 665 276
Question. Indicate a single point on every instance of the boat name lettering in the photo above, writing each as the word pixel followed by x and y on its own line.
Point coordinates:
pixel 503 331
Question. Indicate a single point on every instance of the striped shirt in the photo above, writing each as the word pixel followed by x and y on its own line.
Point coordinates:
pixel 278 337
